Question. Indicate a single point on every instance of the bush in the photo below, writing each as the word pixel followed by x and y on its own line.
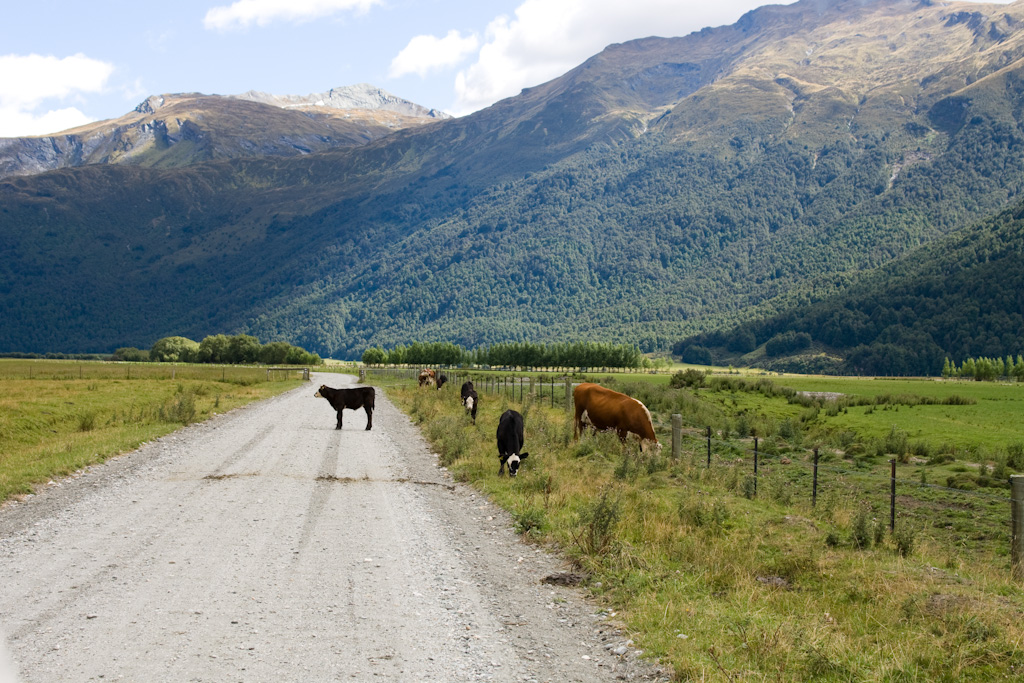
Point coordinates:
pixel 904 537
pixel 690 377
pixel 860 533
pixel 181 408
pixel 598 522
pixel 530 520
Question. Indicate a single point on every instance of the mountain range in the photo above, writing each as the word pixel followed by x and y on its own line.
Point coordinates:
pixel 665 188
pixel 178 130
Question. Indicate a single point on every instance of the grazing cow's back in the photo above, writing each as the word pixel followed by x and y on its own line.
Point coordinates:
pixel 607 409
pixel 510 442
pixel 353 399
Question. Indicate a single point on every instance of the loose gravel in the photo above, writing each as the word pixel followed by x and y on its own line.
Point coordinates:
pixel 264 545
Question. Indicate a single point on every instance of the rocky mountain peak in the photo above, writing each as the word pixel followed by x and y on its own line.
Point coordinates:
pixel 360 96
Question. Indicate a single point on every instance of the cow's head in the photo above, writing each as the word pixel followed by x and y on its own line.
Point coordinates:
pixel 468 402
pixel 646 445
pixel 514 461
pixel 320 392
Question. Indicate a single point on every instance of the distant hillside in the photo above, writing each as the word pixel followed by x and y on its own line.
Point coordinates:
pixel 960 297
pixel 169 131
pixel 665 187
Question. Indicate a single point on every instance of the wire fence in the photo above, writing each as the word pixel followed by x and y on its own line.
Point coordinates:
pixel 102 370
pixel 960 518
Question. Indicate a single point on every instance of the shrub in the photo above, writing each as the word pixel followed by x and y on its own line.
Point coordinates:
pixel 180 408
pixel 87 421
pixel 598 522
pixel 860 533
pixel 904 537
pixel 530 520
pixel 690 377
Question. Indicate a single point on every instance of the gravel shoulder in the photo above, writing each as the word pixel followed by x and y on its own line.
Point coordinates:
pixel 264 545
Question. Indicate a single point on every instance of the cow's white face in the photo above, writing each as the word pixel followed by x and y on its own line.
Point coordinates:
pixel 513 462
pixel 513 465
pixel 469 403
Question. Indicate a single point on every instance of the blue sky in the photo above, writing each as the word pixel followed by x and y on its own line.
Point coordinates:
pixel 64 63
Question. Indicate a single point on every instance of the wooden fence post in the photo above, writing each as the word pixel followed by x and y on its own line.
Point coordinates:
pixel 892 496
pixel 568 394
pixel 1017 525
pixel 755 467
pixel 814 490
pixel 677 435
pixel 709 446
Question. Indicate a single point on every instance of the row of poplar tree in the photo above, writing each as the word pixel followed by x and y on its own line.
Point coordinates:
pixel 511 354
pixel 986 369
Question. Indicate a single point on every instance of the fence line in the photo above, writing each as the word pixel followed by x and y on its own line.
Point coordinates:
pixel 864 481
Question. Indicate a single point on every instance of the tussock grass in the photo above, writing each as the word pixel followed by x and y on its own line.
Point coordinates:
pixel 724 587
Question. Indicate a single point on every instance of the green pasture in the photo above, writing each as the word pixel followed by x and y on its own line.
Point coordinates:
pixel 988 425
pixel 57 417
pixel 727 584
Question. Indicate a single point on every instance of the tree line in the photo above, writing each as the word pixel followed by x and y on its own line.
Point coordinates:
pixel 987 369
pixel 239 349
pixel 511 354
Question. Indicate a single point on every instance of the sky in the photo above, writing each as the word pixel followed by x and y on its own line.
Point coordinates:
pixel 64 63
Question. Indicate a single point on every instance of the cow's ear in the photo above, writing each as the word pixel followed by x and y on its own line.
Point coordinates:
pixel 524 456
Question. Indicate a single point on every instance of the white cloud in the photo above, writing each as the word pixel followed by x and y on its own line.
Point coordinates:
pixel 424 54
pixel 243 13
pixel 29 84
pixel 546 38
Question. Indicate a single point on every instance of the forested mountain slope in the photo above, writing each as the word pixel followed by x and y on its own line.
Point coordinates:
pixel 960 297
pixel 664 187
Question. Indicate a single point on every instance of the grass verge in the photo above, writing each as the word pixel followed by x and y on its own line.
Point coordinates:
pixel 722 585
pixel 54 427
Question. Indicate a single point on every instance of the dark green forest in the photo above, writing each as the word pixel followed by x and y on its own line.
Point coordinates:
pixel 960 298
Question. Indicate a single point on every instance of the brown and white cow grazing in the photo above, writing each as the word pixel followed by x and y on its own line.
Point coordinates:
pixel 605 409
pixel 427 377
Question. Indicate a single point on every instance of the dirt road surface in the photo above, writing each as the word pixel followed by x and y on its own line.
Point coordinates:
pixel 264 545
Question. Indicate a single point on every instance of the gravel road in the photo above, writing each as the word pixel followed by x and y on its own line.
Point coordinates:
pixel 264 545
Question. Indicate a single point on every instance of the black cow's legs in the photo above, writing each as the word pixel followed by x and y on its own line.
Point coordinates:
pixel 369 418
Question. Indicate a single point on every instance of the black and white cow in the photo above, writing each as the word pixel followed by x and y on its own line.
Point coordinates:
pixel 510 442
pixel 353 399
pixel 470 400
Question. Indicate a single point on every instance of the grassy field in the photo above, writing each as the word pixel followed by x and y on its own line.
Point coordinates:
pixel 57 417
pixel 725 584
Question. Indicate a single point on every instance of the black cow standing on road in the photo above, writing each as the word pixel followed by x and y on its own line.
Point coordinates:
pixel 510 442
pixel 353 399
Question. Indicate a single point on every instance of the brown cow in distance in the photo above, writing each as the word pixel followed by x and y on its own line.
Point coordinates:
pixel 605 409
pixel 427 377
